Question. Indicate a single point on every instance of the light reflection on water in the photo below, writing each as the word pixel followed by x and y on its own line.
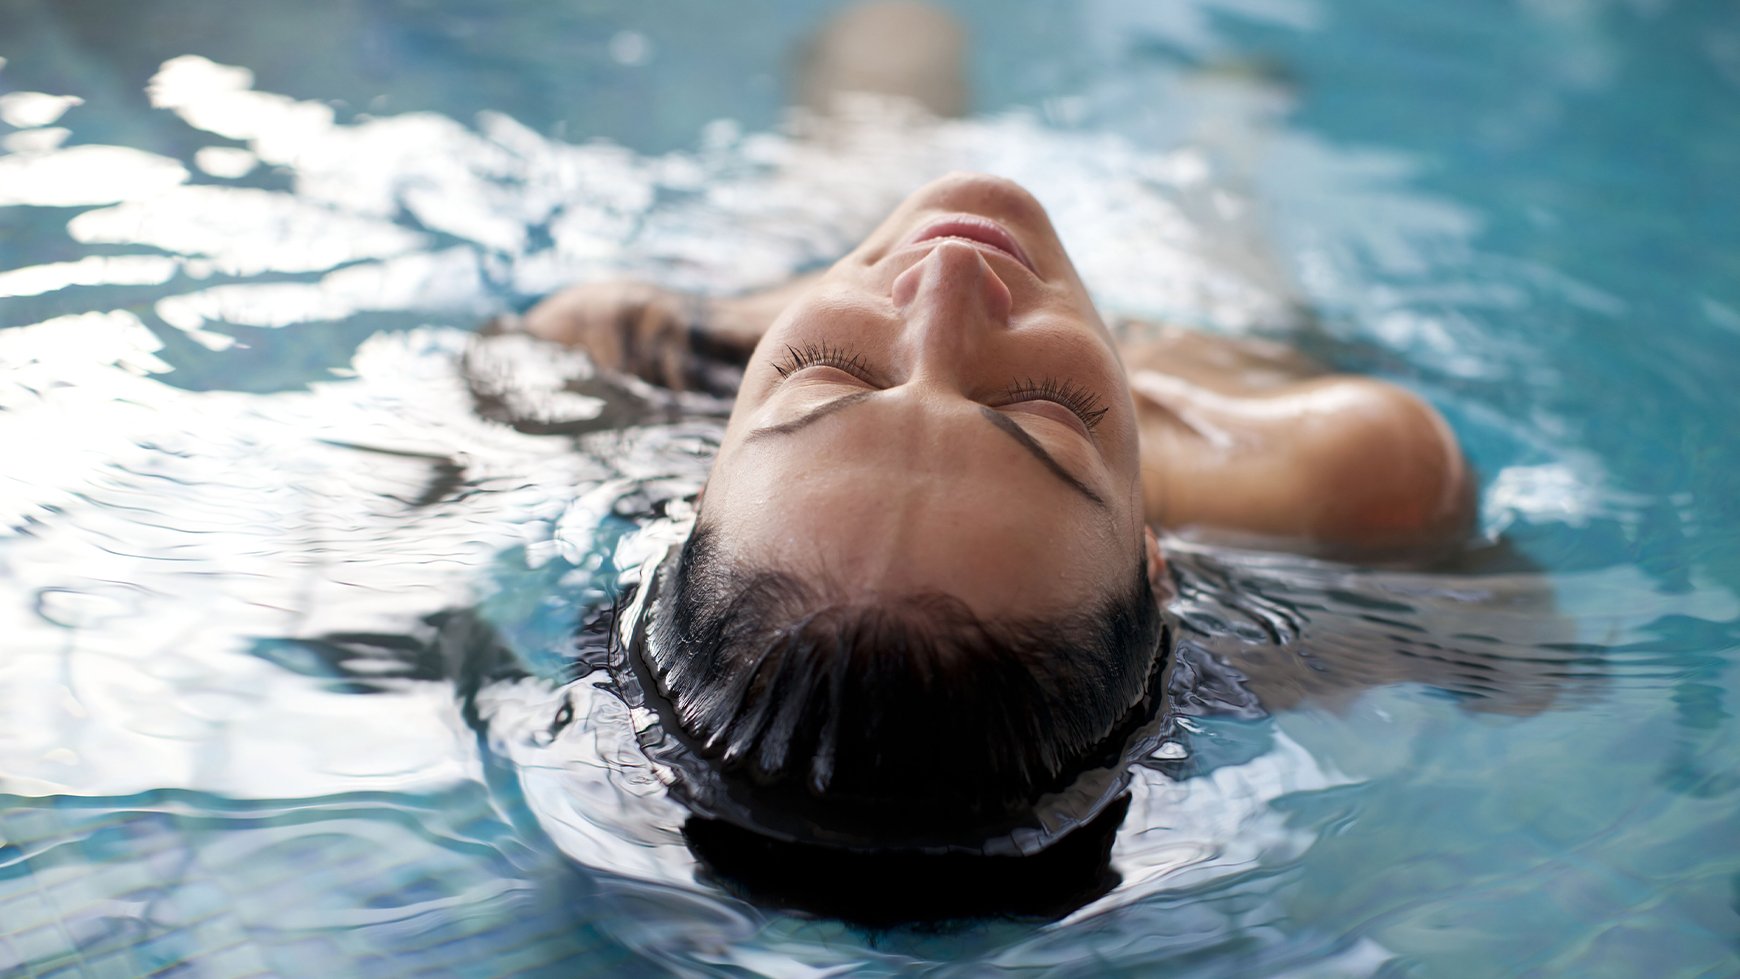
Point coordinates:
pixel 290 681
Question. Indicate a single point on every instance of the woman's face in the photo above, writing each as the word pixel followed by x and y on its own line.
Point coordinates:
pixel 943 411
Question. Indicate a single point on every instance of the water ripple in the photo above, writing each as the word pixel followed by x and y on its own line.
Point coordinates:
pixel 332 649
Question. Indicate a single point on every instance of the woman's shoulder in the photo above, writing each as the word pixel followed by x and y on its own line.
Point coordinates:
pixel 1249 438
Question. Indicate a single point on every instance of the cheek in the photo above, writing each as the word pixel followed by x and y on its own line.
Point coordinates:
pixel 740 422
pixel 1129 436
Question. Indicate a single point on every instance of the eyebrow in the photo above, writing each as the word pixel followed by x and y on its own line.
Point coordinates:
pixel 1003 423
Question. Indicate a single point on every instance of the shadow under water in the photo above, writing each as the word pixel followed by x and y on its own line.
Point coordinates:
pixel 902 889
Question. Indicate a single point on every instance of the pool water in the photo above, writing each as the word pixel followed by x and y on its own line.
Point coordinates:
pixel 297 569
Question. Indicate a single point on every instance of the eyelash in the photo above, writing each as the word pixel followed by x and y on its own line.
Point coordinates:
pixel 812 354
pixel 1077 399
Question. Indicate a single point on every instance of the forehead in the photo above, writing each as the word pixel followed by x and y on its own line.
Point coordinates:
pixel 872 505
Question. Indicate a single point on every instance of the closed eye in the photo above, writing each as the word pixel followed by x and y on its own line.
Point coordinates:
pixel 1079 401
pixel 996 418
pixel 821 354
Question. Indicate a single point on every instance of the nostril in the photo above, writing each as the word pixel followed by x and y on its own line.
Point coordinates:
pixel 998 300
pixel 905 287
pixel 952 274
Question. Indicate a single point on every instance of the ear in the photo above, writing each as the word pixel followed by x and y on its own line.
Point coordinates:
pixel 1158 579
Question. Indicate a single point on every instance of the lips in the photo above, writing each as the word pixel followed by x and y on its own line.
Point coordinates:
pixel 979 231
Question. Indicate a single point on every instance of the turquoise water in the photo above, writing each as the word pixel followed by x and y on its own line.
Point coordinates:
pixel 292 682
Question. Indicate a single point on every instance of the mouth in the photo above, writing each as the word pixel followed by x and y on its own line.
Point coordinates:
pixel 974 230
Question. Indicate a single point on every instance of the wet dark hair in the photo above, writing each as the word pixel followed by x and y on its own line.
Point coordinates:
pixel 896 716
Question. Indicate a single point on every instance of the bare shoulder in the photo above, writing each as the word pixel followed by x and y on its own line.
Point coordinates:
pixel 1380 467
pixel 1248 440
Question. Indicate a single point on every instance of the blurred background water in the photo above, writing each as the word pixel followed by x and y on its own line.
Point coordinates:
pixel 291 681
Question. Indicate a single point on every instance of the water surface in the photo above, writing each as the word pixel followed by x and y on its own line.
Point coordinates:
pixel 295 676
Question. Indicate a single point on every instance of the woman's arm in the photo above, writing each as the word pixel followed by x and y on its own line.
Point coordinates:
pixel 674 340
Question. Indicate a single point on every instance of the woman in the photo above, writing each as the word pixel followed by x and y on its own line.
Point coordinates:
pixel 923 591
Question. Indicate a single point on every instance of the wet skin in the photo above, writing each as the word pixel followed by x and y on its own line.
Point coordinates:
pixel 941 413
pixel 945 409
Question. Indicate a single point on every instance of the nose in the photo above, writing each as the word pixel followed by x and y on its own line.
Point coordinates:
pixel 950 299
